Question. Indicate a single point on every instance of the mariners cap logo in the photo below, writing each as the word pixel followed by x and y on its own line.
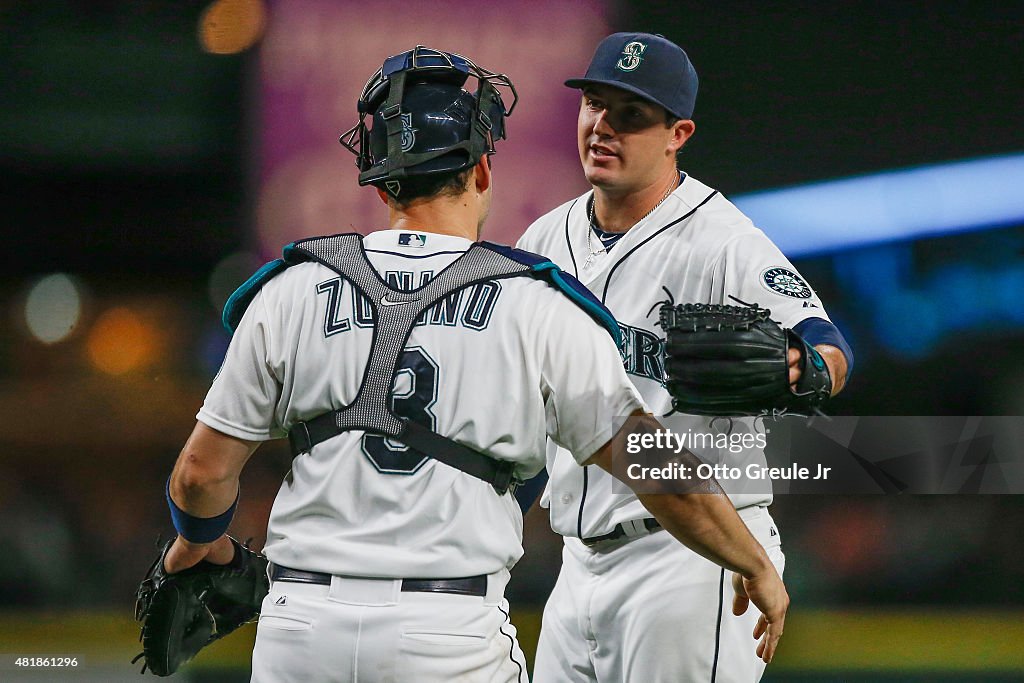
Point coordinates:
pixel 631 56
pixel 408 132
pixel 785 282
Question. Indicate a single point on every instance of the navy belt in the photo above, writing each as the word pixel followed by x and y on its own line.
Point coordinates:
pixel 650 524
pixel 470 585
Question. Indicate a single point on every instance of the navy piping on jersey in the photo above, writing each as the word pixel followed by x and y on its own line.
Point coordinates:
pixel 396 253
pixel 629 253
pixel 511 644
pixel 610 239
pixel 568 242
pixel 718 626
pixel 604 295
pixel 579 518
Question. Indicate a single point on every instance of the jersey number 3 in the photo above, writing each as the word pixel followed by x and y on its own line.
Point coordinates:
pixel 413 394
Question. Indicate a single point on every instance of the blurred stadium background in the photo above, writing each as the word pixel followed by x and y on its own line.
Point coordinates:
pixel 152 154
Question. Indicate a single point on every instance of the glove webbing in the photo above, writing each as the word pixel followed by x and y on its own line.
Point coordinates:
pixel 730 316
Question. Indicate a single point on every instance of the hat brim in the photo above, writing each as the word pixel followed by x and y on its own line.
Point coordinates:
pixel 580 83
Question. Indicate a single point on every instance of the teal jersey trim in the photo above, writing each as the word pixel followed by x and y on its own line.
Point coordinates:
pixel 537 266
pixel 555 275
pixel 236 304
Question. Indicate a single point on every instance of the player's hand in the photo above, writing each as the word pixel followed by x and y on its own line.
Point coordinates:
pixel 769 595
pixel 184 554
pixel 793 359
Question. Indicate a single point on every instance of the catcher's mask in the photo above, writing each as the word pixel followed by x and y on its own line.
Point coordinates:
pixel 423 120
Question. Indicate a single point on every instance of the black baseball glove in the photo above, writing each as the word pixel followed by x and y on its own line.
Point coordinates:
pixel 731 361
pixel 182 613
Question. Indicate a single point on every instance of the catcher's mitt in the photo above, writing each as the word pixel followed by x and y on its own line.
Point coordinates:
pixel 182 613
pixel 731 361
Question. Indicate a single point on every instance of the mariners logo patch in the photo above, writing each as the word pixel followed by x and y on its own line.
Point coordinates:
pixel 631 56
pixel 408 132
pixel 785 282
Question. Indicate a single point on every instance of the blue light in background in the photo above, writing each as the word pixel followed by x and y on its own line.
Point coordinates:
pixel 909 314
pixel 873 271
pixel 213 344
pixel 889 206
pixel 908 323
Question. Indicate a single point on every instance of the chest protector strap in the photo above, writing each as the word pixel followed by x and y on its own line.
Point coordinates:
pixel 395 314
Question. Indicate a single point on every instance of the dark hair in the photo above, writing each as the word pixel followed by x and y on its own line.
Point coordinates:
pixel 431 186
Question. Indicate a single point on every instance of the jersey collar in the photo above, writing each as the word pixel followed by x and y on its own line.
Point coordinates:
pixel 414 242
pixel 669 210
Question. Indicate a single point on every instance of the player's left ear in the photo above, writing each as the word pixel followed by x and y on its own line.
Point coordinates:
pixel 382 194
pixel 681 132
pixel 482 174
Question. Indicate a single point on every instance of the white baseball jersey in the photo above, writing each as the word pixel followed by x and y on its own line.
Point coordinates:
pixel 496 367
pixel 701 249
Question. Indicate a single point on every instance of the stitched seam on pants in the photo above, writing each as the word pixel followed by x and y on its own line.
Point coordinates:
pixel 359 636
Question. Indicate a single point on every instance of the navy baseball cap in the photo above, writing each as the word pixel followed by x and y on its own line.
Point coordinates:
pixel 647 65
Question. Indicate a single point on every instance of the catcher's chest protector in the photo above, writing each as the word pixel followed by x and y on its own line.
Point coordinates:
pixel 395 314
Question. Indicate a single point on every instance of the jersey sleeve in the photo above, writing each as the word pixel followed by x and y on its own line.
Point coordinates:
pixel 754 270
pixel 584 384
pixel 242 399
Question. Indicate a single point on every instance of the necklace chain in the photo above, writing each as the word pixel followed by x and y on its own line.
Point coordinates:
pixel 590 229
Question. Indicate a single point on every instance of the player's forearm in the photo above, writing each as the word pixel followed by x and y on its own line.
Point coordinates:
pixel 702 517
pixel 707 523
pixel 199 495
pixel 204 482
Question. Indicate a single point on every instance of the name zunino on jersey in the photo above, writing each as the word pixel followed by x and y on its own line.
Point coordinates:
pixel 470 307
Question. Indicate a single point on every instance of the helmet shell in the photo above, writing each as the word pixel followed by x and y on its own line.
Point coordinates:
pixel 434 117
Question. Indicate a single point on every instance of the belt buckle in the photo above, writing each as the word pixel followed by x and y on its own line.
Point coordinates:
pixel 301 442
pixel 503 477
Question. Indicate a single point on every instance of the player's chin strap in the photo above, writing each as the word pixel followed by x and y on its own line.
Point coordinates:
pixel 395 314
